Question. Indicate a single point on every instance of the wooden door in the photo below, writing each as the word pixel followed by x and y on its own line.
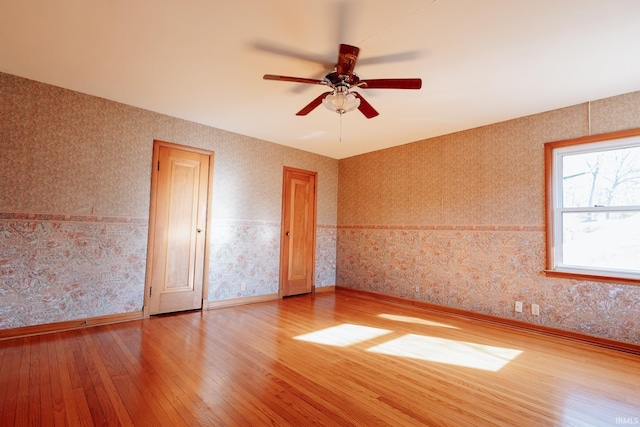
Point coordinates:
pixel 298 238
pixel 178 224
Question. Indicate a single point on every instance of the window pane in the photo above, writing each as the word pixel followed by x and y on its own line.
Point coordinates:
pixel 602 240
pixel 603 178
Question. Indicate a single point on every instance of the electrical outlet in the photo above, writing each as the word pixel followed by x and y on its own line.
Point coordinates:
pixel 417 288
pixel 518 307
pixel 243 287
pixel 535 309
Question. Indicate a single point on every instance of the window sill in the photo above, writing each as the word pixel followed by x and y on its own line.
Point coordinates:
pixel 591 277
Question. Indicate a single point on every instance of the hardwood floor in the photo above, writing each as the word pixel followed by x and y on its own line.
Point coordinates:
pixel 331 359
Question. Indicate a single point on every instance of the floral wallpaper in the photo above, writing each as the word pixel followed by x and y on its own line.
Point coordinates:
pixel 245 259
pixel 483 270
pixel 64 267
pixel 326 246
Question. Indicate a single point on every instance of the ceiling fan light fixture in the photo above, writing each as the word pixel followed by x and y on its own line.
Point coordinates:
pixel 341 100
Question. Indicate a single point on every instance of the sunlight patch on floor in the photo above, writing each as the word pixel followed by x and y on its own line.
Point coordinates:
pixel 416 320
pixel 441 350
pixel 343 335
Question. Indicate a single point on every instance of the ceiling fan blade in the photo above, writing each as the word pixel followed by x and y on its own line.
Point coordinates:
pixel 312 105
pixel 365 108
pixel 347 59
pixel 291 52
pixel 391 84
pixel 394 57
pixel 293 79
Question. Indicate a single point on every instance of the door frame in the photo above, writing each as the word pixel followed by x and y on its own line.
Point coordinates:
pixel 283 227
pixel 152 221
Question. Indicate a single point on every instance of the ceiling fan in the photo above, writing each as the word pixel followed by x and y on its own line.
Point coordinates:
pixel 342 80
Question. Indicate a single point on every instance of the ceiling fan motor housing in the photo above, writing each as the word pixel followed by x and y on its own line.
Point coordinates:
pixel 334 79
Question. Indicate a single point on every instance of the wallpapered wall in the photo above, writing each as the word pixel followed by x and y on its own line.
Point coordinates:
pixel 458 221
pixel 74 205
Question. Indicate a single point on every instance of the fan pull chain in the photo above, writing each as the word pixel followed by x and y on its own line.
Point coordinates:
pixel 340 127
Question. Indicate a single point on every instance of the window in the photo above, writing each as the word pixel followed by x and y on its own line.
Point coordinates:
pixel 593 207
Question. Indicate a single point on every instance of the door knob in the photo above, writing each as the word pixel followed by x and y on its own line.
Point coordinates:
pixel 286 234
pixel 199 230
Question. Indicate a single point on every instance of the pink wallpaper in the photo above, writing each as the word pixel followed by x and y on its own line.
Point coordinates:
pixel 245 258
pixel 64 267
pixel 458 221
pixel 484 270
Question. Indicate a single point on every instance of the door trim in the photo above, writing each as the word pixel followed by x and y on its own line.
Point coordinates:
pixel 283 227
pixel 152 222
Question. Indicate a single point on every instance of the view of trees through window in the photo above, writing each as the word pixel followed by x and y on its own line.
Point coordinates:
pixel 600 210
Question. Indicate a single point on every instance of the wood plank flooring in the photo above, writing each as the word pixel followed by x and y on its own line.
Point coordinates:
pixel 331 359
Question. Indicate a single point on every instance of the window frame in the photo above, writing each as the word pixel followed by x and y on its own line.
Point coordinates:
pixel 553 212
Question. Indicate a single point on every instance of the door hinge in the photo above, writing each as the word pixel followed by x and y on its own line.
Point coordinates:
pixel 150 291
pixel 158 164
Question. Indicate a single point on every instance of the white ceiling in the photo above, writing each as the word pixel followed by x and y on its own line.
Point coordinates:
pixel 481 61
